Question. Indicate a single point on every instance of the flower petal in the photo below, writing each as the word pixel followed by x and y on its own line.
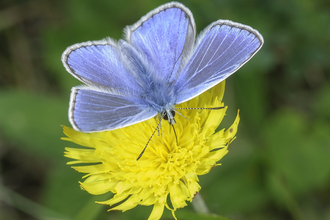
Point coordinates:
pixel 157 211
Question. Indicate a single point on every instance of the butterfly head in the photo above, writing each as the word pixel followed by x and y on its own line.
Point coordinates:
pixel 168 115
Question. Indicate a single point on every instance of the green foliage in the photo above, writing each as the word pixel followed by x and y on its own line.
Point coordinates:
pixel 277 168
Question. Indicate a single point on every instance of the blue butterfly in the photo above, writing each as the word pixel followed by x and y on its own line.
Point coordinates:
pixel 159 65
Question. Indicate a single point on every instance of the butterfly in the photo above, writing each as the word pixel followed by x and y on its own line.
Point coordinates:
pixel 159 64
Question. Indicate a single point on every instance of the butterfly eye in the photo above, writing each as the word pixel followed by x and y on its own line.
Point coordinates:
pixel 165 115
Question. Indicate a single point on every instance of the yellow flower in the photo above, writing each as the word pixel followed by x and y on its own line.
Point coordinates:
pixel 165 170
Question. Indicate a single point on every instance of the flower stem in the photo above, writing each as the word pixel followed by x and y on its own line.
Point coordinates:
pixel 199 205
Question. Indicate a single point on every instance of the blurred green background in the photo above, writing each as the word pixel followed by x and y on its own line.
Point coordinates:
pixel 277 168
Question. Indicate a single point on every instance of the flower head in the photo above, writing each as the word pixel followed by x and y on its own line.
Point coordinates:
pixel 167 173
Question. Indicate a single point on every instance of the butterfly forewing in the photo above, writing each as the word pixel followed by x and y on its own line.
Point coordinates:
pixel 165 36
pixel 100 64
pixel 223 49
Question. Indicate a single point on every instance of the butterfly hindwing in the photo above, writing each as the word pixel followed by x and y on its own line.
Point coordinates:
pixel 93 110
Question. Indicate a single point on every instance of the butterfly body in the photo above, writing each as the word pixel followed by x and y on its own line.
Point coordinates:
pixel 155 93
pixel 158 65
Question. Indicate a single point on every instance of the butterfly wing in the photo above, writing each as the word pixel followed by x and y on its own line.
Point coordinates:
pixel 112 98
pixel 94 110
pixel 100 64
pixel 223 47
pixel 165 36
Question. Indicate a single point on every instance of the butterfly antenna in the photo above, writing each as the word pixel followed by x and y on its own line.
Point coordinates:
pixel 159 128
pixel 149 140
pixel 215 108
pixel 176 137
